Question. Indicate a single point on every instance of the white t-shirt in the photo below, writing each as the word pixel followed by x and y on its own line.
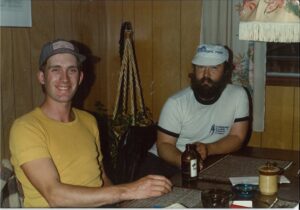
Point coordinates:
pixel 187 119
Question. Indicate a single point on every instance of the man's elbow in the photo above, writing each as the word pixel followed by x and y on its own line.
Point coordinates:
pixel 161 147
pixel 53 197
pixel 239 143
pixel 159 150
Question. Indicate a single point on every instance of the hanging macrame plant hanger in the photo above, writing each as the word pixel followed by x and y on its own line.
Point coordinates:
pixel 132 125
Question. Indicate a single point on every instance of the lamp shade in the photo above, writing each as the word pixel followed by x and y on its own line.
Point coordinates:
pixel 270 20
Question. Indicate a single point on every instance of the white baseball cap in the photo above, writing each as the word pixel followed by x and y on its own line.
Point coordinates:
pixel 210 55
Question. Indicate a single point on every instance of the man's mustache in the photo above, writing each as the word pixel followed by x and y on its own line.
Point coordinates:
pixel 207 80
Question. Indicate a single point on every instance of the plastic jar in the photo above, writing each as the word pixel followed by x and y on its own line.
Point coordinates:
pixel 268 179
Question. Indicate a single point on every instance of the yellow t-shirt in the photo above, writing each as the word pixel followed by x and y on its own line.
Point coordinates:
pixel 74 148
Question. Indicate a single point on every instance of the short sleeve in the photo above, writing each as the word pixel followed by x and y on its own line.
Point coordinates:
pixel 27 142
pixel 97 138
pixel 242 107
pixel 169 119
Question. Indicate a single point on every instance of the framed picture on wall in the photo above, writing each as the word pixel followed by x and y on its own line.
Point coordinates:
pixel 15 13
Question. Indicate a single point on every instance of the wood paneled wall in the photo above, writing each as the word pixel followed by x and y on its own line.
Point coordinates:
pixel 166 33
pixel 281 119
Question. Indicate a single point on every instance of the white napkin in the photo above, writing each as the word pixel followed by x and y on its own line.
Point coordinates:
pixel 253 180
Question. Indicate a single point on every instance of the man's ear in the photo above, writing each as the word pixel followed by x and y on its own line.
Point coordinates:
pixel 41 77
pixel 81 77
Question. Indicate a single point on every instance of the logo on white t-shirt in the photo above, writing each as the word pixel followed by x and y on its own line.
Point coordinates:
pixel 218 129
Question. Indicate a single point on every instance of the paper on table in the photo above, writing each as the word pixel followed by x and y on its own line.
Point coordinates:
pixel 189 198
pixel 242 203
pixel 253 180
pixel 176 206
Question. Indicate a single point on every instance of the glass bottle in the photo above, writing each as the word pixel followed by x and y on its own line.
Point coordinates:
pixel 189 164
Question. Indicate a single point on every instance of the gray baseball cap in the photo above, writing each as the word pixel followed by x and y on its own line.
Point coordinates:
pixel 210 55
pixel 56 47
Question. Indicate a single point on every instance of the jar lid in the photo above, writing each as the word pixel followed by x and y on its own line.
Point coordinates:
pixel 269 169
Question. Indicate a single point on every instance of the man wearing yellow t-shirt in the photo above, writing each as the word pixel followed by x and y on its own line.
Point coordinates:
pixel 56 149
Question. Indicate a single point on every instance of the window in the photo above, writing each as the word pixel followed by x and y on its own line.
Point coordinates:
pixel 283 64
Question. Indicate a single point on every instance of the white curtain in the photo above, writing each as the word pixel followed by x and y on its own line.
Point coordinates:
pixel 220 25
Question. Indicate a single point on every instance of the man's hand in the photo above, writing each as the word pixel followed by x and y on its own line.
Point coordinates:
pixel 146 187
pixel 202 150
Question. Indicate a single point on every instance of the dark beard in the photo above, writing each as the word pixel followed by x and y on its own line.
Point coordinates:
pixel 207 93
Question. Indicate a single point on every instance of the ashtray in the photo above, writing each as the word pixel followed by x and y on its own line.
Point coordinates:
pixel 245 191
pixel 216 198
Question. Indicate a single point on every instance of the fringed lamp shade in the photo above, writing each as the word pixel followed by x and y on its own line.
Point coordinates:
pixel 270 20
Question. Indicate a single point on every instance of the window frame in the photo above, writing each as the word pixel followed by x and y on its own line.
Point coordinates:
pixel 283 78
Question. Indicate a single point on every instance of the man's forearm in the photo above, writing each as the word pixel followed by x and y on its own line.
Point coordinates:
pixel 64 195
pixel 78 196
pixel 225 145
pixel 169 153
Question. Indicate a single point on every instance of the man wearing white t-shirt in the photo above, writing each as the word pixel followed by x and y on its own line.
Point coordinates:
pixel 211 113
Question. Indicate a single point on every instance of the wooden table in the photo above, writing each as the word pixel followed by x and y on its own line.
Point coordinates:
pixel 288 192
